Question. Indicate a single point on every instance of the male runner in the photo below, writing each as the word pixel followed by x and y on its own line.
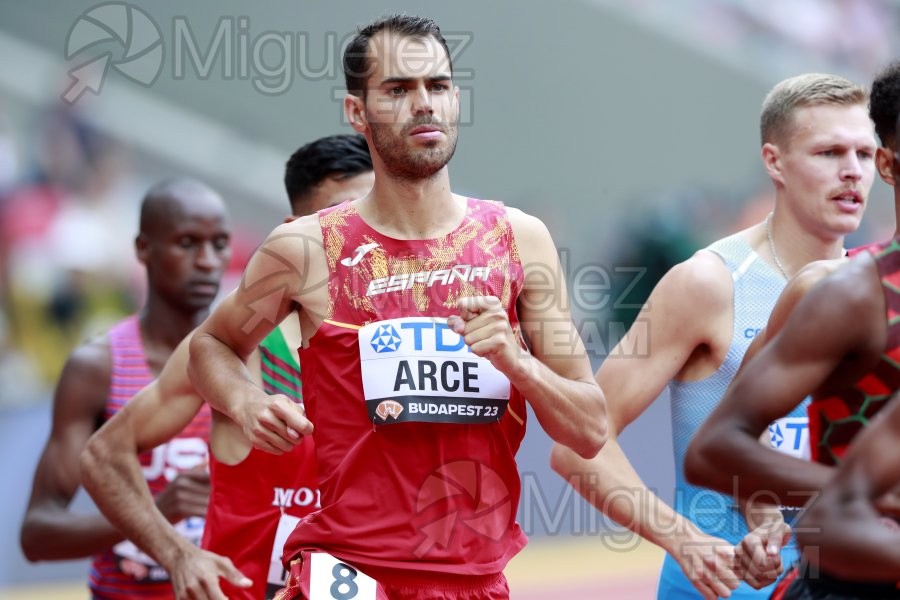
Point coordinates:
pixel 184 245
pixel 415 376
pixel 256 497
pixel 850 378
pixel 817 147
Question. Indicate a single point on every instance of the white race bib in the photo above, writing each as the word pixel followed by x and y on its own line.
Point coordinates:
pixel 790 435
pixel 277 572
pixel 141 566
pixel 128 550
pixel 331 579
pixel 418 369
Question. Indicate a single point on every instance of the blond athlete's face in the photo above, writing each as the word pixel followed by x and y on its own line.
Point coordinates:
pixel 826 165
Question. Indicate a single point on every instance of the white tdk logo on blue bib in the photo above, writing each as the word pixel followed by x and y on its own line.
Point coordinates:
pixel 418 369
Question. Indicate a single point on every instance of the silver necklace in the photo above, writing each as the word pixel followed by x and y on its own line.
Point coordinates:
pixel 772 246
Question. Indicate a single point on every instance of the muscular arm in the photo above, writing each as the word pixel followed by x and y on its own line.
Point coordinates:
pixel 795 364
pixel 50 531
pixel 556 376
pixel 676 320
pixel 793 292
pixel 842 531
pixel 287 270
pixel 759 552
pixel 112 472
pixel 112 475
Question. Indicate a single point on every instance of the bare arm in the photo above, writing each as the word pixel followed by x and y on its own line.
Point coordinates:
pixel 556 376
pixel 797 363
pixel 842 531
pixel 112 473
pixel 759 551
pixel 278 278
pixel 676 320
pixel 793 292
pixel 50 531
pixel 110 466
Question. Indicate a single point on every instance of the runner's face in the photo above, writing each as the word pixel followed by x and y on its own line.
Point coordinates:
pixel 827 167
pixel 188 252
pixel 411 106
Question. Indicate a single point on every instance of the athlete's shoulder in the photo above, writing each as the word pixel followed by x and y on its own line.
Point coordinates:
pixel 704 272
pixel 91 358
pixel 698 289
pixel 301 225
pixel 85 379
pixel 812 273
pixel 524 224
pixel 294 240
pixel 851 288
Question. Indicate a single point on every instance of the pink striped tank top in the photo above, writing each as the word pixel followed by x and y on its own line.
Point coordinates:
pixel 124 572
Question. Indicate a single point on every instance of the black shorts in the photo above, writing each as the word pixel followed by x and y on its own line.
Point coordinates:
pixel 822 587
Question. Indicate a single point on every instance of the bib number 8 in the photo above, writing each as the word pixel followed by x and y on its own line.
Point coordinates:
pixel 344 575
pixel 332 579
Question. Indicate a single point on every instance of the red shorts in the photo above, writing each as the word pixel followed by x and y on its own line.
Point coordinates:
pixel 781 587
pixel 427 586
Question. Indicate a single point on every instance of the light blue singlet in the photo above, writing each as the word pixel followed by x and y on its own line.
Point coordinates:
pixel 756 289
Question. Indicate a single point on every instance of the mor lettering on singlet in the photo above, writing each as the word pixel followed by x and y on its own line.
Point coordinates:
pixel 257 502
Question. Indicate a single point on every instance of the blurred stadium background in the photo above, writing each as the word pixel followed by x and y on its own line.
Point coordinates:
pixel 628 126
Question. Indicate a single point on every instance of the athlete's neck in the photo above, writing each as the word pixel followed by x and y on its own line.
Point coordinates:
pixel 794 247
pixel 412 210
pixel 163 326
pixel 897 210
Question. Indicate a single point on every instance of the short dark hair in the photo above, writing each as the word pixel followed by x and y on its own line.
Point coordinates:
pixel 884 102
pixel 163 193
pixel 343 155
pixel 356 55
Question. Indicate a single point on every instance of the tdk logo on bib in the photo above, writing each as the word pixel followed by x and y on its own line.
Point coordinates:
pixel 385 339
pixel 776 435
pixel 790 435
pixel 418 369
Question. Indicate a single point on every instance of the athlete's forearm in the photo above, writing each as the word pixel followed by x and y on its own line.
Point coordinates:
pixel 113 478
pixel 58 534
pixel 219 375
pixel 573 413
pixel 758 512
pixel 731 461
pixel 609 482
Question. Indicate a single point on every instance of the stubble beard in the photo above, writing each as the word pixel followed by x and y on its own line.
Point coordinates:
pixel 413 164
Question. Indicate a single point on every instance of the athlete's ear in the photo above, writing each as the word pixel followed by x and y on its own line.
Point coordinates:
pixel 355 111
pixel 884 162
pixel 290 218
pixel 142 248
pixel 771 157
